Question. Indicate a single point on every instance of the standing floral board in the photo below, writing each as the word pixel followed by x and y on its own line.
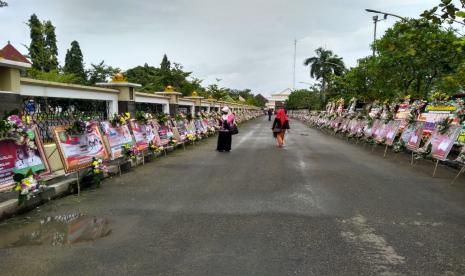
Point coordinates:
pixel 199 126
pixel 414 140
pixel 391 131
pixel 377 130
pixel 182 130
pixel 407 133
pixel 403 111
pixel 21 152
pixel 116 137
pixel 442 141
pixel 79 144
pixel 144 134
pixel 436 113
pixel 191 127
pixel 165 134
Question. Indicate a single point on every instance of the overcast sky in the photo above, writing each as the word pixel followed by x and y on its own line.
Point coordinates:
pixel 246 43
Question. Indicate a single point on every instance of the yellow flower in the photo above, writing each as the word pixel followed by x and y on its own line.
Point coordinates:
pixel 96 171
pixel 127 115
pixel 27 181
pixel 18 188
pixel 95 163
pixel 26 119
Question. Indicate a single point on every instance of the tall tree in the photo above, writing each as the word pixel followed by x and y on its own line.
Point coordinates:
pixel 74 63
pixel 165 64
pixel 51 49
pixel 43 48
pixel 100 72
pixel 323 65
pixel 148 76
pixel 3 4
pixel 37 46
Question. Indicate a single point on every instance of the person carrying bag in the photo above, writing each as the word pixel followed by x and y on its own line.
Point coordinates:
pixel 280 126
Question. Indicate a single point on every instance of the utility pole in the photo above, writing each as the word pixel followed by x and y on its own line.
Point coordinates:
pixel 375 20
pixel 295 56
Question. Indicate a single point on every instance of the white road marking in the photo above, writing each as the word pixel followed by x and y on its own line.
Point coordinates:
pixel 247 135
pixel 374 248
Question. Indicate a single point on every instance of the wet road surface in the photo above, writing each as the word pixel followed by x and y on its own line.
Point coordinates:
pixel 319 206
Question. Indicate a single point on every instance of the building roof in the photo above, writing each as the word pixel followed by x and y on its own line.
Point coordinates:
pixel 10 53
pixel 285 92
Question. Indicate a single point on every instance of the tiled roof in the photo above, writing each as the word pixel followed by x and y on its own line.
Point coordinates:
pixel 10 53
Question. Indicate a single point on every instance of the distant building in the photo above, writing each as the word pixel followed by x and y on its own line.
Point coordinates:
pixel 278 100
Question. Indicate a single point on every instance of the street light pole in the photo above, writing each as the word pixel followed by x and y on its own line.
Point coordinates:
pixel 376 20
pixel 386 14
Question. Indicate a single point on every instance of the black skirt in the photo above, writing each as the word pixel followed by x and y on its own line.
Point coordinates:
pixel 224 141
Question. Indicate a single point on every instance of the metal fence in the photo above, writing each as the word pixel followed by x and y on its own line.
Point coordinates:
pixel 49 112
pixel 150 107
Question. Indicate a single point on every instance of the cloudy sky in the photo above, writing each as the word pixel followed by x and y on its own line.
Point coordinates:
pixel 246 43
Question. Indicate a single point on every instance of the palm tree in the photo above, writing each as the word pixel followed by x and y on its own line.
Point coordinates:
pixel 323 65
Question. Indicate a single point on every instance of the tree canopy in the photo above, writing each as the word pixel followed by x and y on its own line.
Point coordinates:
pixel 43 53
pixel 303 99
pixel 415 57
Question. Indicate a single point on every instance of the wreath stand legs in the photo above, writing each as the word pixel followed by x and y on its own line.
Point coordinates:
pixel 78 184
pixel 385 151
pixel 457 176
pixel 435 168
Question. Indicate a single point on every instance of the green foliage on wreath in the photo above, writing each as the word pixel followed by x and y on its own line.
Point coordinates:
pixel 141 117
pixel 443 126
pixel 412 118
pixel 399 146
pixel 77 128
pixel 179 118
pixel 370 121
pixel 370 140
pixel 423 153
pixel 162 118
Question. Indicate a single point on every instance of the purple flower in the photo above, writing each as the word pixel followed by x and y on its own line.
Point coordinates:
pixel 15 119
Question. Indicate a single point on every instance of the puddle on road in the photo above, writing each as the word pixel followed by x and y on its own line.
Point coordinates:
pixel 55 231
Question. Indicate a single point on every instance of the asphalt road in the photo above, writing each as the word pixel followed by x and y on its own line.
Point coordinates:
pixel 319 206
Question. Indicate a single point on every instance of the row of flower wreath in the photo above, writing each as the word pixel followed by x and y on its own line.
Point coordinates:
pixel 18 129
pixel 15 127
pixel 131 151
pixel 386 114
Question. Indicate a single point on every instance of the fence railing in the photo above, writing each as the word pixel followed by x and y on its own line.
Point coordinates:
pixel 50 112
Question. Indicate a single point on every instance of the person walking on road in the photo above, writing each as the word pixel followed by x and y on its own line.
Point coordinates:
pixel 280 125
pixel 225 132
pixel 270 113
